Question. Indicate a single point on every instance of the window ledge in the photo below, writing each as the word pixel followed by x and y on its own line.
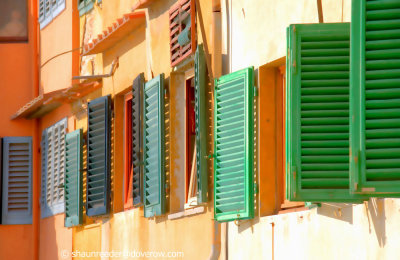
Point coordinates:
pixel 186 212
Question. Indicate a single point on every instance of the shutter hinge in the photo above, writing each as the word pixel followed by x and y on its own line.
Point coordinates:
pixel 256 188
pixel 84 170
pixel 211 156
pixel 255 91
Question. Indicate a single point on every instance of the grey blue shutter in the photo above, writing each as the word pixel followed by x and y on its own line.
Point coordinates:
pixel 98 156
pixel 375 98
pixel 153 147
pixel 53 155
pixel 200 80
pixel 137 141
pixel 317 110
pixel 233 146
pixel 41 10
pixel 17 180
pixel 43 192
pixel 73 178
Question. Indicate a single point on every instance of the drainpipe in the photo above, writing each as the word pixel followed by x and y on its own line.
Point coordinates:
pixel 219 231
pixel 35 37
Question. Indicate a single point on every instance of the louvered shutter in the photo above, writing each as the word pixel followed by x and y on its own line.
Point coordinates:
pixel 233 146
pixel 41 10
pixel 182 30
pixel 73 178
pixel 317 110
pixel 98 156
pixel 137 141
pixel 153 147
pixel 200 80
pixel 53 154
pixel 17 180
pixel 375 97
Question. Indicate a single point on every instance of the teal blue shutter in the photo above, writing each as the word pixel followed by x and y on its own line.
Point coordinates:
pixel 137 144
pixel 317 110
pixel 85 6
pixel 153 147
pixel 200 80
pixel 17 181
pixel 98 156
pixel 375 98
pixel 233 146
pixel 73 178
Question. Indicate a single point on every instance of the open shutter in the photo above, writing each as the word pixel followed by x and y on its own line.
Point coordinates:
pixel 73 178
pixel 17 180
pixel 318 113
pixel 98 156
pixel 182 30
pixel 41 10
pixel 375 98
pixel 200 82
pixel 43 197
pixel 53 154
pixel 153 147
pixel 233 146
pixel 137 141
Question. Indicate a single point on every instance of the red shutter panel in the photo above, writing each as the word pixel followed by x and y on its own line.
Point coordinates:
pixel 182 24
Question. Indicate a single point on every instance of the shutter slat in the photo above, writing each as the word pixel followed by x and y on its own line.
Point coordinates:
pixel 153 147
pixel 375 97
pixel 98 159
pixel 317 113
pixel 17 187
pixel 233 146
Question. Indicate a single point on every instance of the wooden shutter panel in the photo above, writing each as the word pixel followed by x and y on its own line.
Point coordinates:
pixel 73 178
pixel 98 158
pixel 317 110
pixel 375 98
pixel 233 146
pixel 137 141
pixel 43 147
pixel 153 147
pixel 53 154
pixel 17 180
pixel 41 10
pixel 182 30
pixel 200 80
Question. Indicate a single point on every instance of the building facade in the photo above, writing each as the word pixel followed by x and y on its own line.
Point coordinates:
pixel 199 129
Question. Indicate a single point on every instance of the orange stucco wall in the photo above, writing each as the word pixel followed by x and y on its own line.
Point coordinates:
pixel 18 73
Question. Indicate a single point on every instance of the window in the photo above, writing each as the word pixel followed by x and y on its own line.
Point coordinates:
pixel 98 157
pixel 133 175
pixel 85 6
pixel 48 10
pixel 53 159
pixel 374 98
pixel 73 178
pixel 317 113
pixel 153 147
pixel 13 21
pixel 233 146
pixel 17 180
pixel 182 30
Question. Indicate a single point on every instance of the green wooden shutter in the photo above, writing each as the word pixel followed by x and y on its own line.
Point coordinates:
pixel 17 180
pixel 153 147
pixel 375 97
pixel 200 80
pixel 317 112
pixel 233 146
pixel 137 144
pixel 98 156
pixel 73 178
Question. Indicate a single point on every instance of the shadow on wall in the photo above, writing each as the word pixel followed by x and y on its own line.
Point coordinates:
pixel 50 247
